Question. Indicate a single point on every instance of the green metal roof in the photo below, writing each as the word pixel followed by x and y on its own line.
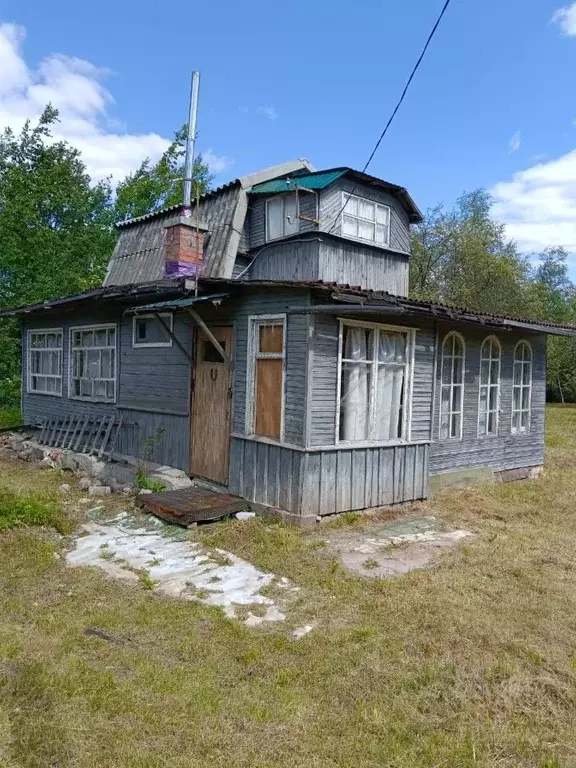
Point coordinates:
pixel 319 180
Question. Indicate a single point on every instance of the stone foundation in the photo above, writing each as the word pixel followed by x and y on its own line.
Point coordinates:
pixel 118 474
pixel 466 478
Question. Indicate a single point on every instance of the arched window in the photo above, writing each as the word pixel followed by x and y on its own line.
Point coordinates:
pixel 489 395
pixel 452 386
pixel 522 387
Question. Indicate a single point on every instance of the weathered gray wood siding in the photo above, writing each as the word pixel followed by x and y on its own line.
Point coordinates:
pixel 257 217
pixel 288 260
pixel 324 377
pixel 156 378
pixel 237 312
pixel 325 482
pixel 505 450
pixel 266 473
pixel 360 478
pixel 144 404
pixel 332 260
pixel 351 263
pixel 331 203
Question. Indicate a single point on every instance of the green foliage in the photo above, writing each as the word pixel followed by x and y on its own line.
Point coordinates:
pixel 155 186
pixel 57 224
pixel 31 509
pixel 10 417
pixel 143 481
pixel 463 258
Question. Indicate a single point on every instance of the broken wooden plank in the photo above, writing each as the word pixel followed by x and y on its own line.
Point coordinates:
pixel 191 505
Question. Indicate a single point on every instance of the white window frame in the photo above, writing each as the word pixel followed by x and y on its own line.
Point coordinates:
pixel 254 322
pixel 150 316
pixel 451 386
pixel 346 196
pixel 99 327
pixel 283 198
pixel 522 430
pixel 410 334
pixel 60 350
pixel 489 385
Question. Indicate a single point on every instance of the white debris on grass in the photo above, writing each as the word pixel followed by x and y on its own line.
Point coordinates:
pixel 245 515
pixel 303 631
pixel 177 566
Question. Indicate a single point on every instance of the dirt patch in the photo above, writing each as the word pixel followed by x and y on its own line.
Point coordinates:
pixel 391 549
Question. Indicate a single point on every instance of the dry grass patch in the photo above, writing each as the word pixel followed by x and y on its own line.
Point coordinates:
pixel 469 664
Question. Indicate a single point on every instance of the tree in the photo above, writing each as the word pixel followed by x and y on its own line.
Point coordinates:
pixel 155 186
pixel 555 296
pixel 55 225
pixel 462 257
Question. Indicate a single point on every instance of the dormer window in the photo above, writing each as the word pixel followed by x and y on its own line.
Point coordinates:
pixel 365 220
pixel 281 217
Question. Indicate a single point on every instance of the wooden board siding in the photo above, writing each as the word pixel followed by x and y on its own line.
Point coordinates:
pixel 265 473
pixel 257 218
pixel 156 378
pixel 324 378
pixel 360 478
pixel 139 423
pixel 331 204
pixel 505 450
pixel 326 482
pixel 265 302
pixel 352 263
pixel 290 260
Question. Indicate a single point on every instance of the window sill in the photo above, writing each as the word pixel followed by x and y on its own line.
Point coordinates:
pixel 342 445
pixel 151 345
pixel 92 400
pixel 49 394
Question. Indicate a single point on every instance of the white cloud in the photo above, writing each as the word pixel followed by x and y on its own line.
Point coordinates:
pixel 539 204
pixel 515 142
pixel 566 19
pixel 75 87
pixel 217 163
pixel 268 112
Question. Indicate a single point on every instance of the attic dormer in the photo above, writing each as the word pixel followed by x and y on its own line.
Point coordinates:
pixel 337 226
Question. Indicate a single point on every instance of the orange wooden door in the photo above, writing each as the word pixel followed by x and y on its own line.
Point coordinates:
pixel 211 404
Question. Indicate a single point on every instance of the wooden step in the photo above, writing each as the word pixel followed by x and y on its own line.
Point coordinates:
pixel 191 505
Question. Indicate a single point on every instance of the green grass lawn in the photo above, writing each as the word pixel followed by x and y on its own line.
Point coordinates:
pixel 10 417
pixel 468 664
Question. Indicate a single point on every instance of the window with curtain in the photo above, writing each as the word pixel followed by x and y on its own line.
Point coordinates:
pixel 374 377
pixel 452 386
pixel 365 219
pixel 45 362
pixel 93 363
pixel 281 217
pixel 268 377
pixel 489 396
pixel 522 387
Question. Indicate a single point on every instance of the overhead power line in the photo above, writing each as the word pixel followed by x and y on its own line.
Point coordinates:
pixel 399 104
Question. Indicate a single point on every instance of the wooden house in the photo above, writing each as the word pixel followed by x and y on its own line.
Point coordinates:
pixel 264 341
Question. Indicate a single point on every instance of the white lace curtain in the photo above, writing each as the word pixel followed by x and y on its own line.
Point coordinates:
pixel 373 384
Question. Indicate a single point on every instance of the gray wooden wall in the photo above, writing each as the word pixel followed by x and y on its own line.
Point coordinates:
pixel 331 205
pixel 323 392
pixel 256 218
pixel 325 482
pixel 153 387
pixel 505 450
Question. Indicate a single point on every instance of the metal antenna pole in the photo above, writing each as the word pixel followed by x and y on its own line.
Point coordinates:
pixel 191 142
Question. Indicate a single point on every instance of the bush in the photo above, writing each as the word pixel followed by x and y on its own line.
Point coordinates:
pixel 31 509
pixel 10 417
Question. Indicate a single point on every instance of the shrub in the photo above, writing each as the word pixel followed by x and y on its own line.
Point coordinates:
pixel 31 509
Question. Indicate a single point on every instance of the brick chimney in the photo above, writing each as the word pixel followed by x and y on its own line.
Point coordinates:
pixel 183 247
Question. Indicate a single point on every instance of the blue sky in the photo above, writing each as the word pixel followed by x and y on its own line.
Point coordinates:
pixel 492 105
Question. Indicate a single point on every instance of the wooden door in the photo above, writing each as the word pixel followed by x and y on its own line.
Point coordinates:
pixel 211 403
